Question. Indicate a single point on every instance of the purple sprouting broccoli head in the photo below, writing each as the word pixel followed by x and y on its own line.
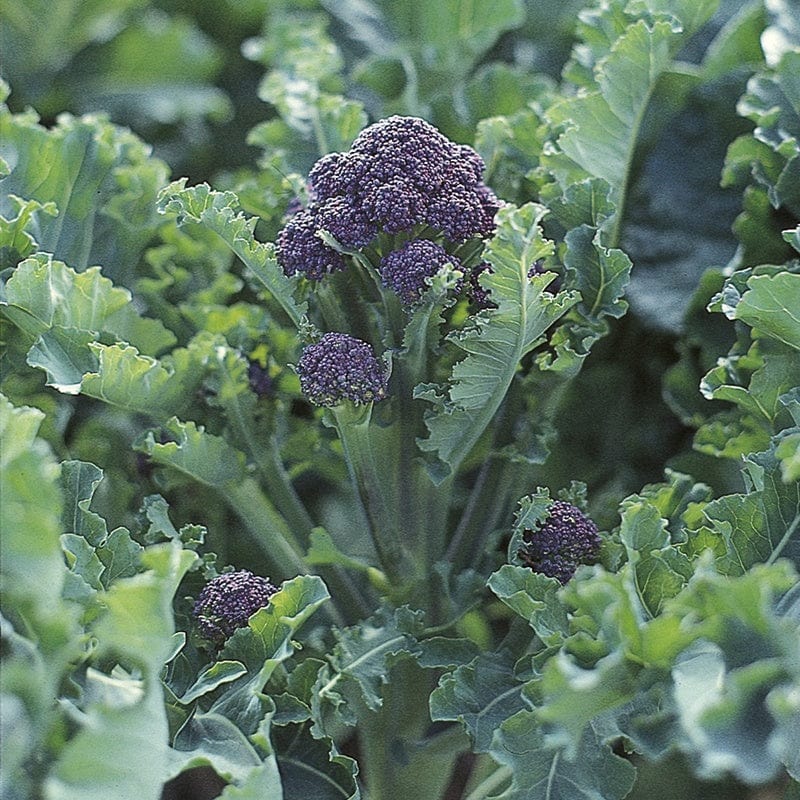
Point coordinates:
pixel 566 539
pixel 228 601
pixel 340 367
pixel 404 270
pixel 399 173
pixel 300 250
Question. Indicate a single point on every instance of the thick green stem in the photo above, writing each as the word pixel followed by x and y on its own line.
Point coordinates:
pixel 488 785
pixel 267 526
pixel 374 488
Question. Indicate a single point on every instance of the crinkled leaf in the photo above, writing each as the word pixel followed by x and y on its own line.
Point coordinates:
pixel 313 768
pixel 195 453
pixel 534 597
pixel 145 385
pixel 481 695
pixel 772 305
pixel 219 212
pixel 360 662
pixel 542 773
pixel 101 178
pixel 760 525
pixel 599 273
pixel 44 293
pixel 601 126
pixel 659 570
pixel 265 643
pixel 496 345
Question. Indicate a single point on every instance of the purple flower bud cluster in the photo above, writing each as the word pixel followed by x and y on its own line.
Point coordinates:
pixel 404 270
pixel 228 601
pixel 340 367
pixel 399 173
pixel 566 539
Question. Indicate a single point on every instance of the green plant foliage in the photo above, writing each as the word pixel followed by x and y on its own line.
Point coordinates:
pixel 598 314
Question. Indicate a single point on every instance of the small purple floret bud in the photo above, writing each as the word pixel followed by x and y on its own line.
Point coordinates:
pixel 340 367
pixel 228 601
pixel 566 539
pixel 404 271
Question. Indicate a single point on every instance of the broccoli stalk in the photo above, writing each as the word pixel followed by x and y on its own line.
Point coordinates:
pixel 385 246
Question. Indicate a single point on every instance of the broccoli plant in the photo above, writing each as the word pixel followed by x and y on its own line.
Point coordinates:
pixel 401 370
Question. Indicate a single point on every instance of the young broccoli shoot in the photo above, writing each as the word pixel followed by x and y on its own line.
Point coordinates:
pixel 340 367
pixel 566 539
pixel 404 271
pixel 228 601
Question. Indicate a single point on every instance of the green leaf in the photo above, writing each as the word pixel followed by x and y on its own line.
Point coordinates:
pixel 601 126
pixel 535 598
pixel 101 178
pixel 313 768
pixel 214 676
pixel 496 345
pixel 481 695
pixel 360 663
pixel 137 625
pixel 263 645
pixel 199 455
pixel 218 211
pixel 16 239
pixel 599 273
pixel 141 384
pixel 44 293
pixel 30 511
pixel 761 525
pixel 771 304
pixel 659 570
pixel 541 773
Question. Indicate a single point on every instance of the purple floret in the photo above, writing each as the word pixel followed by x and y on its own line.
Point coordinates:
pixel 228 601
pixel 404 271
pixel 340 367
pixel 400 174
pixel 345 223
pixel 300 250
pixel 395 205
pixel 325 179
pixel 566 539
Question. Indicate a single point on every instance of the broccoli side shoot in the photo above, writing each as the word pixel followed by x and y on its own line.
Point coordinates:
pixel 404 271
pixel 228 601
pixel 340 367
pixel 566 539
pixel 401 175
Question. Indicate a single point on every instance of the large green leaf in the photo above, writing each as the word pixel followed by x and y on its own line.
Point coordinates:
pixel 481 695
pixel 542 773
pixel 497 343
pixel 359 664
pixel 43 293
pixel 124 714
pixel 219 211
pixel 601 126
pixel 771 305
pixel 102 180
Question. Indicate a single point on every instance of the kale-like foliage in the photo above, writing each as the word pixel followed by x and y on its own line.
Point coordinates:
pixel 228 601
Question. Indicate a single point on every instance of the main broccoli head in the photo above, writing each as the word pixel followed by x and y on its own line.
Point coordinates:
pixel 566 539
pixel 400 173
pixel 228 601
pixel 340 367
